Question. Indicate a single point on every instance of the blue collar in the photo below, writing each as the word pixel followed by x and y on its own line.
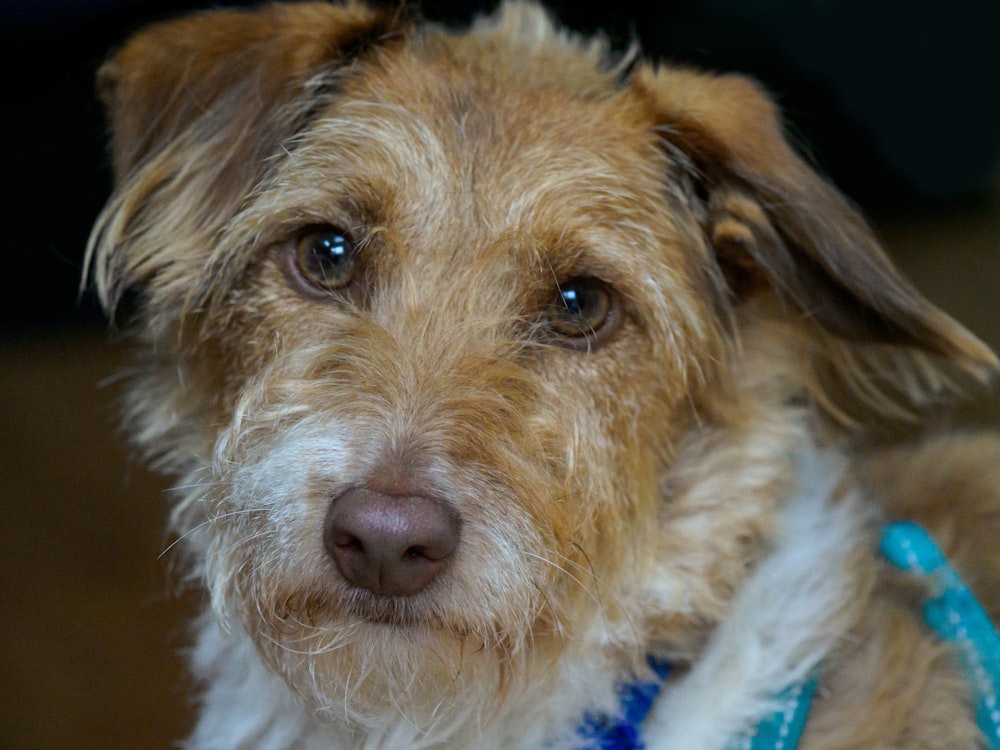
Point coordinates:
pixel 635 701
pixel 952 611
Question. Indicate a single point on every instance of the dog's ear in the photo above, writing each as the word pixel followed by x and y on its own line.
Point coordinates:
pixel 227 71
pixel 199 106
pixel 776 226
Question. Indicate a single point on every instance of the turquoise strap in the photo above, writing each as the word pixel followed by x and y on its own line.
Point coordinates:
pixel 782 730
pixel 954 613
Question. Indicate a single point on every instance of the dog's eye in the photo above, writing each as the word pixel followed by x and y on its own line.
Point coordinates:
pixel 585 313
pixel 325 257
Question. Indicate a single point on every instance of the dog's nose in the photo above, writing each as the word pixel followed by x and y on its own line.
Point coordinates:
pixel 393 545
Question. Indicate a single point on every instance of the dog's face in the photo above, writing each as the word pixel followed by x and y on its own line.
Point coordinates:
pixel 463 342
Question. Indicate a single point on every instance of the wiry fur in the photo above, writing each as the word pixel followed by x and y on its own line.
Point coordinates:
pixel 690 487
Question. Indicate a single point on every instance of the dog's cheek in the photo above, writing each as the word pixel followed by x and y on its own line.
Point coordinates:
pixel 265 515
pixel 189 379
pixel 607 434
pixel 217 361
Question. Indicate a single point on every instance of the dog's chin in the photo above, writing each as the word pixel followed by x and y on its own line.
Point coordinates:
pixel 373 659
pixel 375 645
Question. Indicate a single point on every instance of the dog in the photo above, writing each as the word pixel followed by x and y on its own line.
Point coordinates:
pixel 509 381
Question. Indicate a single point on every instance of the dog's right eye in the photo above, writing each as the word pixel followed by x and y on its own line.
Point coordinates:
pixel 584 315
pixel 325 258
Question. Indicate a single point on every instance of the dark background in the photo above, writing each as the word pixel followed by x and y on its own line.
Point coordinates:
pixel 895 101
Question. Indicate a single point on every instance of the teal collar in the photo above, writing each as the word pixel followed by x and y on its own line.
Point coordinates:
pixel 952 611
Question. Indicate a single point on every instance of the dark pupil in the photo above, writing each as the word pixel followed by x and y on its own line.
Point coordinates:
pixel 576 301
pixel 331 251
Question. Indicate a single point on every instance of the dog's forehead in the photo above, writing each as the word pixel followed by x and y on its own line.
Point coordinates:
pixel 461 133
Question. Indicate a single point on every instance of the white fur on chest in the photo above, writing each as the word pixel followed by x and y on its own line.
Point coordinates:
pixel 785 620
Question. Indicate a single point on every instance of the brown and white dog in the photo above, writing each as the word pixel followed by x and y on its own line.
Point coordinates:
pixel 492 367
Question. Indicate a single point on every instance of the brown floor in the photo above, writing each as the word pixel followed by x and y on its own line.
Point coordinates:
pixel 89 633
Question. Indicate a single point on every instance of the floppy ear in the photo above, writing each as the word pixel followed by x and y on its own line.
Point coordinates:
pixel 777 227
pixel 197 107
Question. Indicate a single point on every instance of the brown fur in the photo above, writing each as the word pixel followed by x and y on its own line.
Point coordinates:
pixel 756 314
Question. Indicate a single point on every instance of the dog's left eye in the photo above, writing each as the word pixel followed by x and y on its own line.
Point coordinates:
pixel 325 258
pixel 585 313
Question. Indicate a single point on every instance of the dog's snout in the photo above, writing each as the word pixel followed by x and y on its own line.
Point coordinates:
pixel 392 545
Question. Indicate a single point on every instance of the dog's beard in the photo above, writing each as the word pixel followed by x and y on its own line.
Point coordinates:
pixel 350 655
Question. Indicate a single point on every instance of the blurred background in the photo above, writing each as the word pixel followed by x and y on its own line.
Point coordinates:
pixel 895 101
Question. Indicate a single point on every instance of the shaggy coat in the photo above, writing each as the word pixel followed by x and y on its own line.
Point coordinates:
pixel 596 318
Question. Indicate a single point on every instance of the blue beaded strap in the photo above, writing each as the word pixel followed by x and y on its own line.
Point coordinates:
pixel 954 613
pixel 635 700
